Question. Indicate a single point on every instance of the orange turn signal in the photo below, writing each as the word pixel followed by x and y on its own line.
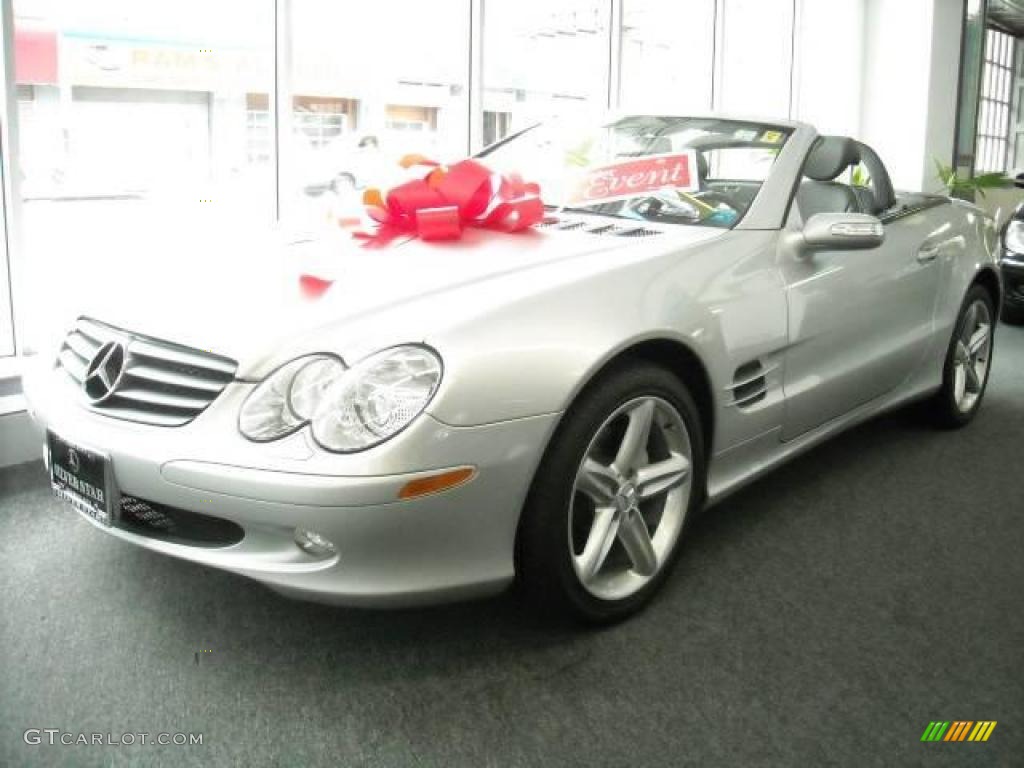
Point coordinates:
pixel 424 486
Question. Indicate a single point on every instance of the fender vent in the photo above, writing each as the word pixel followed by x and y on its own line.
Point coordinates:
pixel 749 385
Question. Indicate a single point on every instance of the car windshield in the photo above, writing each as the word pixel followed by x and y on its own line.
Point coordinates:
pixel 677 170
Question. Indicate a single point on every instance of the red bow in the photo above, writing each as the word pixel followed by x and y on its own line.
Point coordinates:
pixel 440 205
pixel 313 287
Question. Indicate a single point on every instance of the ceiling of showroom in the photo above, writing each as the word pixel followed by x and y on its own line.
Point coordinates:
pixel 1008 14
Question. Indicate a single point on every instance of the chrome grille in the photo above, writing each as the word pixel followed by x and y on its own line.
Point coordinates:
pixel 162 383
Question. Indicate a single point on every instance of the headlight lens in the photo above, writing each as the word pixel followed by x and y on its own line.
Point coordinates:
pixel 310 384
pixel 376 399
pixel 268 413
pixel 1014 240
pixel 348 409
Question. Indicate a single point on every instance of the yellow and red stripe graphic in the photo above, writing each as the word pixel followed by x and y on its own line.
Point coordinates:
pixel 958 730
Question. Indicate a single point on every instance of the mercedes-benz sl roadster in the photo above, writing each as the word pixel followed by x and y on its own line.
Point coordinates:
pixel 702 299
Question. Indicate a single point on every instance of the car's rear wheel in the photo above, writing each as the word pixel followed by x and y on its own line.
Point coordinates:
pixel 968 361
pixel 610 502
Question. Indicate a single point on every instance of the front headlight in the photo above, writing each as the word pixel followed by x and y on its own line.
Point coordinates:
pixel 278 406
pixel 347 409
pixel 1014 238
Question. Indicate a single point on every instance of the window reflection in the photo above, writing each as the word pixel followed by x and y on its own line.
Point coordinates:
pixel 131 99
pixel 757 56
pixel 668 50
pixel 542 59
pixel 138 142
pixel 371 83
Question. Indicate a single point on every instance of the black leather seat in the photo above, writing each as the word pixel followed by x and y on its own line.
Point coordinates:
pixel 883 197
pixel 865 198
pixel 821 193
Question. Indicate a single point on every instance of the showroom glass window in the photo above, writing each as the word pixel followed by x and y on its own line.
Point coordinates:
pixel 756 56
pixel 827 88
pixel 668 52
pixel 994 107
pixel 6 309
pixel 370 82
pixel 136 132
pixel 540 59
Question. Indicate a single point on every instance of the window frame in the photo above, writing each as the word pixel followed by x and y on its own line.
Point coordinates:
pixel 995 102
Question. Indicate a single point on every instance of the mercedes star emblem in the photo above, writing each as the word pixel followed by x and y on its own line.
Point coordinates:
pixel 104 372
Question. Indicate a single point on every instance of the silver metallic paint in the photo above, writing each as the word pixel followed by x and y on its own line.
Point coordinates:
pixel 522 324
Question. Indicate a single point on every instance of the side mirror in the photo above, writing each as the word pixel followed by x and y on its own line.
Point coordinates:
pixel 839 232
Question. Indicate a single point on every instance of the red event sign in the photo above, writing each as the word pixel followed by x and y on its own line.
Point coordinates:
pixel 628 179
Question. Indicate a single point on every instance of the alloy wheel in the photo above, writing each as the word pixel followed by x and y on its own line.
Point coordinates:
pixel 630 497
pixel 971 356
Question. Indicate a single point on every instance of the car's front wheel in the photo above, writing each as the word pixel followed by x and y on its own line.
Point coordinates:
pixel 611 499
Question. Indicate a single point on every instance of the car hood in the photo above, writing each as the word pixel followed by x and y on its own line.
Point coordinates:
pixel 246 303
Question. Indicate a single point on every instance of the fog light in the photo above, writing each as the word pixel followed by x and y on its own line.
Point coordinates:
pixel 313 543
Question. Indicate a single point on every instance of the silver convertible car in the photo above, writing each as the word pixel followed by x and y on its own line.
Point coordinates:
pixel 704 299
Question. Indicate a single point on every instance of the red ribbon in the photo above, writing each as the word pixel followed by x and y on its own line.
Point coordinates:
pixel 445 201
pixel 313 287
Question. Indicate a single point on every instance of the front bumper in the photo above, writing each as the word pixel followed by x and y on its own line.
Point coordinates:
pixel 446 546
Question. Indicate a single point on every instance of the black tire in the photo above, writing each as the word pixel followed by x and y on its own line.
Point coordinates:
pixel 943 409
pixel 543 559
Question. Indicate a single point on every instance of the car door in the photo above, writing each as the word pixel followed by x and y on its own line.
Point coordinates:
pixel 859 321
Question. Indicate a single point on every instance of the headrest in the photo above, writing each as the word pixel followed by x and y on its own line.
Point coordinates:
pixel 880 183
pixel 830 157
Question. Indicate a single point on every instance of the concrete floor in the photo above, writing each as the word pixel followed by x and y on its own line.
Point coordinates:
pixel 821 617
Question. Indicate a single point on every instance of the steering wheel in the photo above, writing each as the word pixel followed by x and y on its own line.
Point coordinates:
pixel 714 198
pixel 691 207
pixel 655 208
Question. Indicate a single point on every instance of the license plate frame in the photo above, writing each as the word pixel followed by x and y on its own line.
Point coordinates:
pixel 82 476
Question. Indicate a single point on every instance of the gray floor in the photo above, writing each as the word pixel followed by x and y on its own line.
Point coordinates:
pixel 823 616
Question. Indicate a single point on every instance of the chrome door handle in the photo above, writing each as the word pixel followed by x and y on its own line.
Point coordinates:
pixel 928 254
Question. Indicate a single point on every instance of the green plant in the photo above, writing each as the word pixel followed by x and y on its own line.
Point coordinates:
pixel 960 185
pixel 860 177
pixel 580 155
